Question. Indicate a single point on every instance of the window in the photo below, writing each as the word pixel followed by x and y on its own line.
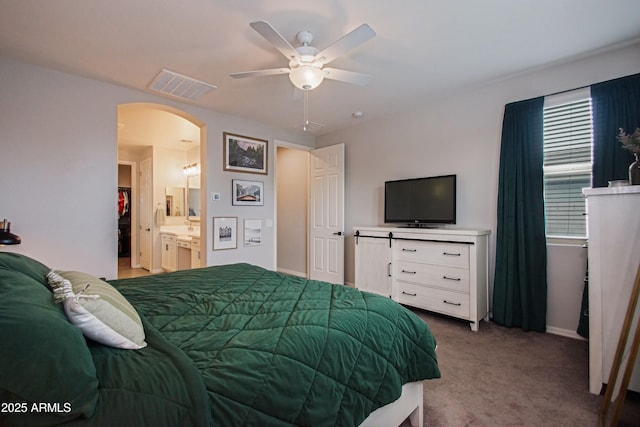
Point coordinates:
pixel 567 162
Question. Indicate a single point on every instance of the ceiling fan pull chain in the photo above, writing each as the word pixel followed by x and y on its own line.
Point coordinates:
pixel 306 110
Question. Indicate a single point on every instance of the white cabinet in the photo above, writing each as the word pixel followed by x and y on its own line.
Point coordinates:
pixel 195 252
pixel 440 270
pixel 613 225
pixel 169 251
pixel 183 254
pixel 373 263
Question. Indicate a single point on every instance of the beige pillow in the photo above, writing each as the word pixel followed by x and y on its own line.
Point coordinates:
pixel 98 309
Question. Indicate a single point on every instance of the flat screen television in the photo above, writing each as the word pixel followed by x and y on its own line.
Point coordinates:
pixel 421 201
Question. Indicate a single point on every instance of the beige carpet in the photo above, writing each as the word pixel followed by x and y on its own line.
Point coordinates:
pixel 507 377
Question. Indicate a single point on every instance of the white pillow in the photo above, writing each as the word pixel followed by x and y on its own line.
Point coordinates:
pixel 98 309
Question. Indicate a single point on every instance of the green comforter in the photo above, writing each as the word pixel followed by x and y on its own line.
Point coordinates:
pixel 50 375
pixel 277 350
pixel 227 346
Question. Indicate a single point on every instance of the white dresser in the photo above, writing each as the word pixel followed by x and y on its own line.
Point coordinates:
pixel 613 229
pixel 441 270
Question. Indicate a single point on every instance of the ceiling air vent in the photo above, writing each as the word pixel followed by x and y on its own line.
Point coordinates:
pixel 179 86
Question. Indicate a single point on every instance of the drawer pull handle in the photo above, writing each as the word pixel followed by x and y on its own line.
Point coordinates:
pixel 410 294
pixel 457 279
pixel 408 272
pixel 409 250
pixel 451 254
pixel 452 303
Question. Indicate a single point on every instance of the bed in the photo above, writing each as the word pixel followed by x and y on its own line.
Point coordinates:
pixel 223 346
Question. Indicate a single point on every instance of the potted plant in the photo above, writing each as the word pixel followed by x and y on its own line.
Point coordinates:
pixel 631 142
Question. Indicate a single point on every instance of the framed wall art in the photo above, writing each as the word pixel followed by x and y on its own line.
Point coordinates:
pixel 225 233
pixel 247 193
pixel 244 154
pixel 252 232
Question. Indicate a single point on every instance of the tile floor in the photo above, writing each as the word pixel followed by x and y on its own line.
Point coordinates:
pixel 125 271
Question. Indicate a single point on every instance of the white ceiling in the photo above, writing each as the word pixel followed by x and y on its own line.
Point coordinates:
pixel 423 48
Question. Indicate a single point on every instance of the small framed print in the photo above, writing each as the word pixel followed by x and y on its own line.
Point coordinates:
pixel 247 193
pixel 244 154
pixel 252 232
pixel 225 233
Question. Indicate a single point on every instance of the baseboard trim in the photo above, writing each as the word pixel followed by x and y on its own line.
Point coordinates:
pixel 564 332
pixel 558 331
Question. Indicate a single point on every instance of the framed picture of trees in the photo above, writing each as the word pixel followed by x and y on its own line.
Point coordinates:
pixel 245 154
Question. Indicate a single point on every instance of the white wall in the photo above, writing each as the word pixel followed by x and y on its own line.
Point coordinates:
pixel 460 134
pixel 58 168
pixel 566 268
pixel 293 198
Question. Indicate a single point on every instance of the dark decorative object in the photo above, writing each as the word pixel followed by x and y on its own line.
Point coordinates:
pixel 632 143
pixel 634 172
pixel 6 236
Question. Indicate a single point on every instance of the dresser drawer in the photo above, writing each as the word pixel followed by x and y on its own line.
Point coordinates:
pixel 438 300
pixel 437 253
pixel 455 279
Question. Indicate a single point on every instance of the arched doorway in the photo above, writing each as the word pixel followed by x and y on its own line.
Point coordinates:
pixel 158 141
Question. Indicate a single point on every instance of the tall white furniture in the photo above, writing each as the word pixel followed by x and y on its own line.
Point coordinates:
pixel 440 270
pixel 613 225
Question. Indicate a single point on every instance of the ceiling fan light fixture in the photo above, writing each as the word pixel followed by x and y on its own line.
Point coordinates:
pixel 306 77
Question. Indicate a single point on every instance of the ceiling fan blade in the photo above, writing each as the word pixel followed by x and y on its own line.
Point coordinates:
pixel 347 76
pixel 348 42
pixel 274 37
pixel 260 73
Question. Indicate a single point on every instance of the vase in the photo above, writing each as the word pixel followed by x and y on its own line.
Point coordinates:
pixel 634 172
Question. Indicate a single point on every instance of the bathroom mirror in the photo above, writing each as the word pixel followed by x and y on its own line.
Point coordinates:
pixel 193 197
pixel 174 197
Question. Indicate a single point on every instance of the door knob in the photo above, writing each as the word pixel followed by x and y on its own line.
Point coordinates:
pixel 338 233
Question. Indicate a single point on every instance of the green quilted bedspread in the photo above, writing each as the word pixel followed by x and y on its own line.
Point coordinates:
pixel 278 350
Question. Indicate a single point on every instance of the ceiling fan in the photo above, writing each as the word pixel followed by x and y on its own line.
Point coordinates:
pixel 306 62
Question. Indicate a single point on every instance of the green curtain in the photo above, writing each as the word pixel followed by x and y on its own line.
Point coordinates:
pixel 520 284
pixel 616 104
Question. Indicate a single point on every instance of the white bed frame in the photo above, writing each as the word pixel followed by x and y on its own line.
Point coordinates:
pixel 408 405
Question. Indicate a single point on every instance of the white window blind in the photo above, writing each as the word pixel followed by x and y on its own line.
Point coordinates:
pixel 567 165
